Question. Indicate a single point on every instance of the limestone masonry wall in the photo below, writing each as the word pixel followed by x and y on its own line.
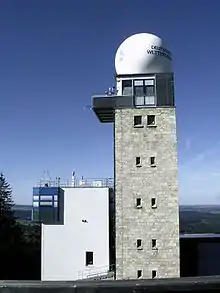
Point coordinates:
pixel 152 184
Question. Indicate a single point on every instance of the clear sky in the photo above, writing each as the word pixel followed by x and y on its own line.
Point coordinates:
pixel 55 54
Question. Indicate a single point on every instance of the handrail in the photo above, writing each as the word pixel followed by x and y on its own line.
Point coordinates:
pixel 96 272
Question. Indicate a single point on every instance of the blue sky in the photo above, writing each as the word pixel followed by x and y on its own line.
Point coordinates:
pixel 55 54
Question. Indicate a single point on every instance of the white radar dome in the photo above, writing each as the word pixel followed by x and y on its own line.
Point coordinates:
pixel 143 53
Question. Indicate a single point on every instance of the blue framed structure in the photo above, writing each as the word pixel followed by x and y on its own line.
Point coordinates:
pixel 48 205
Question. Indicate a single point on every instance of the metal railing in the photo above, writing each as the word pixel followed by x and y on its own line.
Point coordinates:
pixel 97 273
pixel 87 182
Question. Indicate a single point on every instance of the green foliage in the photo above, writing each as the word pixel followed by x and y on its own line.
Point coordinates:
pixel 31 233
pixel 200 221
pixel 6 201
pixel 8 228
pixel 19 242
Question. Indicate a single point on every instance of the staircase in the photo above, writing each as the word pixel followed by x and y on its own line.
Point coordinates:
pixel 99 273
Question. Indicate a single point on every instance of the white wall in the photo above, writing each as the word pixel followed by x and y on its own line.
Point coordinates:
pixel 64 247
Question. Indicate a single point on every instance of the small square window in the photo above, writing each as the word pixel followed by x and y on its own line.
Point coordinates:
pixel 138 161
pixel 154 274
pixel 154 244
pixel 89 258
pixel 138 121
pixel 151 120
pixel 153 203
pixel 139 274
pixel 138 202
pixel 152 162
pixel 139 244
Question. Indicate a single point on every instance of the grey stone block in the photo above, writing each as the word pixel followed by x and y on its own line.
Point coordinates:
pixel 160 182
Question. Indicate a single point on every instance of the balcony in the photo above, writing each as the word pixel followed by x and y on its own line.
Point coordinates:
pixel 104 106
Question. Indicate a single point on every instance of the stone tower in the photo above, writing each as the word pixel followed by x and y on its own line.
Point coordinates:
pixel 145 146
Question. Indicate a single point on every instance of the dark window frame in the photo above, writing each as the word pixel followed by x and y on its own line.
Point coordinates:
pixel 139 243
pixel 89 258
pixel 138 161
pixel 153 202
pixel 139 274
pixel 151 120
pixel 145 92
pixel 138 89
pixel 150 86
pixel 138 202
pixel 154 274
pixel 128 82
pixel 154 243
pixel 138 120
pixel 153 161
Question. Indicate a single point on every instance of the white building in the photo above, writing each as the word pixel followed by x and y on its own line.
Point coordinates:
pixel 80 248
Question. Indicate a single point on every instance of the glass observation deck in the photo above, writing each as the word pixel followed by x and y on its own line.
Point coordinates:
pixel 135 92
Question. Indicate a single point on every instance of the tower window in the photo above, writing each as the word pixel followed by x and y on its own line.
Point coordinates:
pixel 151 121
pixel 153 203
pixel 127 87
pixel 89 258
pixel 139 88
pixel 152 162
pixel 138 161
pixel 138 202
pixel 139 274
pixel 139 101
pixel 144 91
pixel 137 120
pixel 149 87
pixel 154 274
pixel 154 244
pixel 139 244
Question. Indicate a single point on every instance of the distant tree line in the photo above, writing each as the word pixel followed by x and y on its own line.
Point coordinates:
pixel 200 222
pixel 20 249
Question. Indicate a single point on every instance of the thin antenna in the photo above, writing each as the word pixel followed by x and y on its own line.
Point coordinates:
pixel 73 179
pixel 48 175
pixel 44 175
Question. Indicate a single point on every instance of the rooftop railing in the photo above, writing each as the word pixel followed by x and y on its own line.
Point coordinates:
pixel 82 182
